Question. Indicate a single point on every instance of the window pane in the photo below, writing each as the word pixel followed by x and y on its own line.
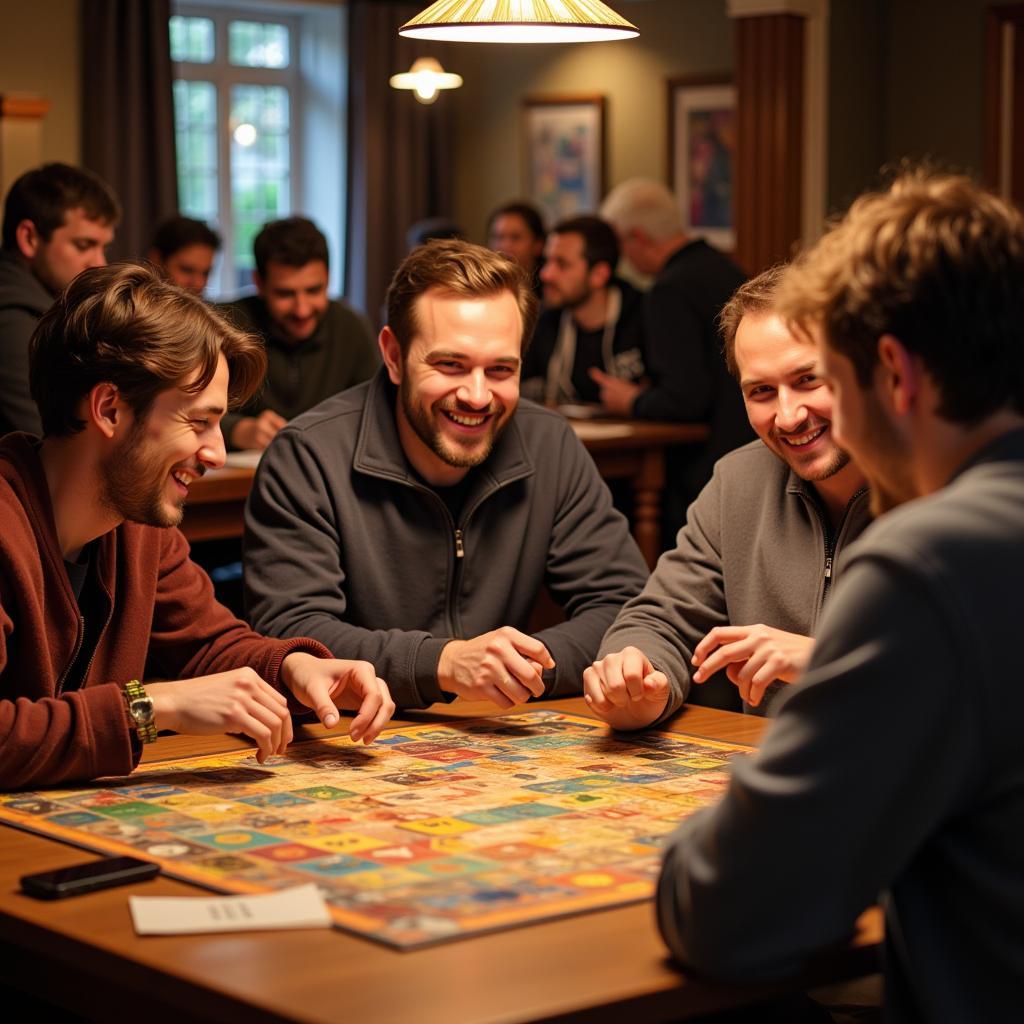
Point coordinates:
pixel 260 165
pixel 252 44
pixel 192 39
pixel 195 130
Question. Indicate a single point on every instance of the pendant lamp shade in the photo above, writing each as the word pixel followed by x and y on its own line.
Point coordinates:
pixel 519 21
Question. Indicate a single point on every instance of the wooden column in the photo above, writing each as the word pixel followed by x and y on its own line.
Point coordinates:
pixel 21 136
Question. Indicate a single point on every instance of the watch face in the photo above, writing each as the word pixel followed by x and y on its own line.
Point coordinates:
pixel 141 710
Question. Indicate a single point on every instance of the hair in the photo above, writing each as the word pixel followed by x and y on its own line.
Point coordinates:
pixel 600 243
pixel 754 296
pixel 44 195
pixel 125 325
pixel 459 268
pixel 937 262
pixel 646 205
pixel 177 233
pixel 294 241
pixel 526 211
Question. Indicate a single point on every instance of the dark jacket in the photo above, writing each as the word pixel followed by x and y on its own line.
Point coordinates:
pixel 155 602
pixel 756 547
pixel 684 359
pixel 23 300
pixel 895 767
pixel 340 354
pixel 344 543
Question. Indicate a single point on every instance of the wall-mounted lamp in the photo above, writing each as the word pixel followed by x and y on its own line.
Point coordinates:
pixel 519 21
pixel 426 77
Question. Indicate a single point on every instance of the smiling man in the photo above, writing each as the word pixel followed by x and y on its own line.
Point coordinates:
pixel 132 378
pixel 733 605
pixel 316 346
pixel 414 519
pixel 58 221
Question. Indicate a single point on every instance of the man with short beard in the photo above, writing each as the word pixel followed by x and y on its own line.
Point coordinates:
pixel 732 606
pixel 414 519
pixel 132 377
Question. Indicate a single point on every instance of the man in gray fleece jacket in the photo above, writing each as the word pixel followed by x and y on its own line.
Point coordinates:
pixel 414 519
pixel 733 605
pixel 896 766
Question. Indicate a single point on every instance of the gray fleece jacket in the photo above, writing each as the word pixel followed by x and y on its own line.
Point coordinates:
pixel 755 548
pixel 23 300
pixel 346 544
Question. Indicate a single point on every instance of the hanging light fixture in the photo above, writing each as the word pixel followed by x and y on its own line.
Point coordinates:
pixel 519 21
pixel 426 77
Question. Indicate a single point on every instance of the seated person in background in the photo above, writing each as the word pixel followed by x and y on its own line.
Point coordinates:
pixel 688 377
pixel 591 320
pixel 131 377
pixel 184 250
pixel 744 587
pixel 516 228
pixel 58 221
pixel 429 228
pixel 413 520
pixel 316 346
pixel 896 767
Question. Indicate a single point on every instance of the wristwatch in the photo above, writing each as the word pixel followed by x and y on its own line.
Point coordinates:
pixel 140 707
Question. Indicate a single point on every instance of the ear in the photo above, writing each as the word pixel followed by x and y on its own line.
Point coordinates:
pixel 107 410
pixel 391 353
pixel 899 373
pixel 258 281
pixel 600 274
pixel 28 239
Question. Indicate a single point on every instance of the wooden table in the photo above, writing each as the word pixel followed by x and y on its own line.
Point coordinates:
pixel 604 966
pixel 632 450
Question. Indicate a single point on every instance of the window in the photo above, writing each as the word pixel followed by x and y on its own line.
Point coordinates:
pixel 243 133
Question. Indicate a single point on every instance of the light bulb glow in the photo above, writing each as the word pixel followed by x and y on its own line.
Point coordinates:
pixel 426 78
pixel 245 134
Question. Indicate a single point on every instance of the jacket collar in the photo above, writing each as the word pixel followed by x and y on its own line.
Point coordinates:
pixel 379 450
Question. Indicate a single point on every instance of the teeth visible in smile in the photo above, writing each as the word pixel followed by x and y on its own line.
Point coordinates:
pixel 467 421
pixel 800 440
pixel 182 479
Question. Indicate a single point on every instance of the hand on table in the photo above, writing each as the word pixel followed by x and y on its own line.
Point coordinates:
pixel 625 689
pixel 503 667
pixel 256 432
pixel 325 684
pixel 616 395
pixel 753 657
pixel 238 701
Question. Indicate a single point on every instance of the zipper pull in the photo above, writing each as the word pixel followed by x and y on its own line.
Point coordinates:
pixel 459 549
pixel 828 568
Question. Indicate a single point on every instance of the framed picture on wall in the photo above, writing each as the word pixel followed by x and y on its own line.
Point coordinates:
pixel 701 154
pixel 564 153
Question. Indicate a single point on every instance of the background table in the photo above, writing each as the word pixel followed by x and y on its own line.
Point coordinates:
pixel 605 966
pixel 631 450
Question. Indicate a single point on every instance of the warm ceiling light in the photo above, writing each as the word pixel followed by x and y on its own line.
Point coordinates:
pixel 426 77
pixel 519 21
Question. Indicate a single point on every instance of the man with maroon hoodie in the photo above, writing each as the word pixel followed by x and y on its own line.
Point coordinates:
pixel 132 377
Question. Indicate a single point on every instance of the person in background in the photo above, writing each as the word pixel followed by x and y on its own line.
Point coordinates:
pixel 592 320
pixel 183 250
pixel 132 377
pixel 316 346
pixel 58 221
pixel 516 228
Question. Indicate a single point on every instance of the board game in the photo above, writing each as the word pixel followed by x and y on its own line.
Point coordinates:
pixel 435 832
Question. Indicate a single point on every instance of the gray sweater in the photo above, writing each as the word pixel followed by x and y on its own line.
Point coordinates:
pixel 755 548
pixel 345 544
pixel 895 767
pixel 23 300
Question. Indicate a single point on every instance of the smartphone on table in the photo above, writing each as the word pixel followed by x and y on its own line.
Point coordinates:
pixel 80 878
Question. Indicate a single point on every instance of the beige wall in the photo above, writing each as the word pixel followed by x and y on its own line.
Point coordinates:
pixel 39 55
pixel 676 38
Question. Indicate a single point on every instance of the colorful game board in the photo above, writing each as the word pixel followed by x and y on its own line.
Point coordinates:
pixel 435 832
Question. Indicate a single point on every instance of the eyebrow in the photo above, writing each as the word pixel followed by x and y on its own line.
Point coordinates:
pixel 207 410
pixel 439 354
pixel 747 382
